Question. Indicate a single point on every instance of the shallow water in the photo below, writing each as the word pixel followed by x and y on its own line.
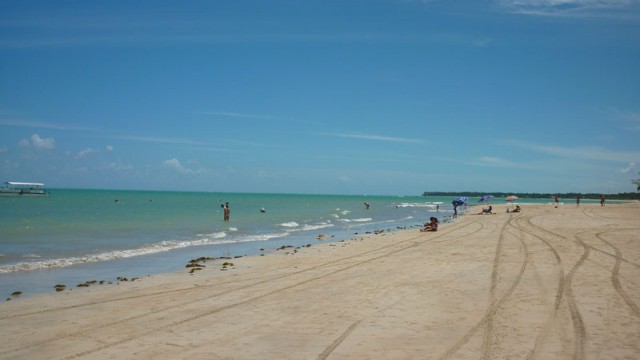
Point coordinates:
pixel 80 235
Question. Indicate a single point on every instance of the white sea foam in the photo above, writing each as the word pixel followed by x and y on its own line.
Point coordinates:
pixel 307 227
pixel 355 220
pixel 379 222
pixel 162 246
pixel 261 237
pixel 431 205
pixel 216 235
pixel 315 227
pixel 290 224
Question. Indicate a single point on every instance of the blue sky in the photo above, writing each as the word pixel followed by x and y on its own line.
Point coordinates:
pixel 333 97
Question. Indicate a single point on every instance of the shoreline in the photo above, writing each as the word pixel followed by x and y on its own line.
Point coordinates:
pixel 548 283
pixel 42 281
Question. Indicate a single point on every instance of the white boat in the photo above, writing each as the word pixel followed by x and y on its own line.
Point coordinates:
pixel 13 188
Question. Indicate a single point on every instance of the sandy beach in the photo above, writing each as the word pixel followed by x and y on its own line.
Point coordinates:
pixel 546 283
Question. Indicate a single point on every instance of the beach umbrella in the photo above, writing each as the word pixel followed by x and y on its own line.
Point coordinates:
pixel 512 198
pixel 462 199
pixel 486 198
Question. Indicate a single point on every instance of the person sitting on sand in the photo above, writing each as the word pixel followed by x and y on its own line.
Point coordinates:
pixel 486 211
pixel 431 226
pixel 517 209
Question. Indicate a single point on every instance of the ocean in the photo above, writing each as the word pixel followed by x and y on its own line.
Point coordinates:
pixel 75 236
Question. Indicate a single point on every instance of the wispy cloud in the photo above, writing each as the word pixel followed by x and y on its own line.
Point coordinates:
pixel 157 139
pixel 237 115
pixel 595 153
pixel 499 162
pixel 86 28
pixel 42 125
pixel 117 167
pixel 573 8
pixel 373 137
pixel 631 119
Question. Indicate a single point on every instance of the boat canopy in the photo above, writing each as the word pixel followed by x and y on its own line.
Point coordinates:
pixel 15 183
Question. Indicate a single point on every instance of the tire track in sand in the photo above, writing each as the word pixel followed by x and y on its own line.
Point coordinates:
pixel 408 244
pixel 340 263
pixel 548 324
pixel 267 278
pixel 615 279
pixel 487 319
pixel 325 354
pixel 579 331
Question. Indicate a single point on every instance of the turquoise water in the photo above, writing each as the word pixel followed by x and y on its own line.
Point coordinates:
pixel 79 235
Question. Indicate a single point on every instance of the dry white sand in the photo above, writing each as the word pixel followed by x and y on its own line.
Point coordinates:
pixel 547 283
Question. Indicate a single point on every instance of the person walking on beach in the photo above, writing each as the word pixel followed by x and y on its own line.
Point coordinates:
pixel 602 200
pixel 577 200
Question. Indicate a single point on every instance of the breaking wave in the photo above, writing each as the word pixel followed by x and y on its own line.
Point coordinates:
pixel 162 246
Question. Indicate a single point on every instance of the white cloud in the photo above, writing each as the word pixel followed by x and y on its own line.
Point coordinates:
pixel 631 167
pixel 109 148
pixel 85 153
pixel 176 165
pixel 173 163
pixel 38 142
pixel 42 143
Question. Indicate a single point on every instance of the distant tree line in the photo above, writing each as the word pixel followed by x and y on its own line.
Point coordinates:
pixel 619 196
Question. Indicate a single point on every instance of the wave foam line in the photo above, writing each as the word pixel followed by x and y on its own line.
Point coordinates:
pixel 163 246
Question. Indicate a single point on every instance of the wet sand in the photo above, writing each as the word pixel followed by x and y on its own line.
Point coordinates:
pixel 546 283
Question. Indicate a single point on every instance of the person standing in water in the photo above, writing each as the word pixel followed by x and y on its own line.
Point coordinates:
pixel 226 210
